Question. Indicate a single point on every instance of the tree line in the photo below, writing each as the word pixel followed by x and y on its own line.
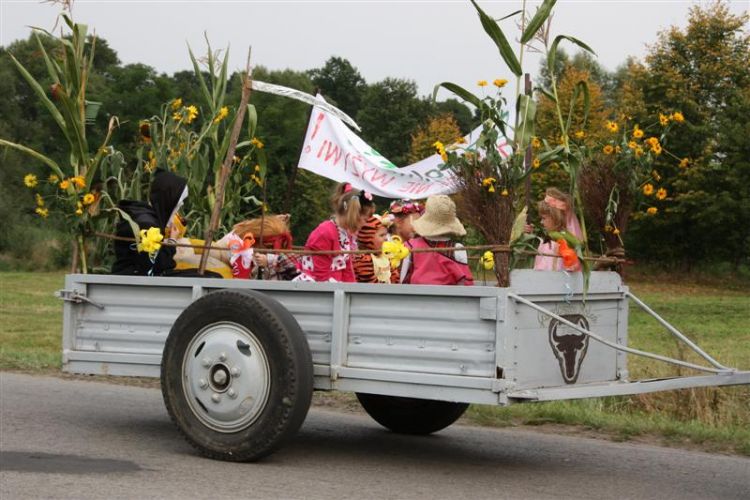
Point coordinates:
pixel 700 70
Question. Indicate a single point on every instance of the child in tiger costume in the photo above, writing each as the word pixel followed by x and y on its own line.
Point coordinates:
pixel 373 267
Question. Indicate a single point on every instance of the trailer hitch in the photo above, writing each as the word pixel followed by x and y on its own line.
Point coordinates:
pixel 76 297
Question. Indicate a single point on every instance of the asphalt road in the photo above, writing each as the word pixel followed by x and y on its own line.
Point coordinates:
pixel 80 439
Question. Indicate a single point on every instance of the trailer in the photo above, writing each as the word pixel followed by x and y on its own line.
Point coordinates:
pixel 239 359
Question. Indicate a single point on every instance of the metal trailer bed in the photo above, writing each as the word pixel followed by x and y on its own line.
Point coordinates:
pixel 238 359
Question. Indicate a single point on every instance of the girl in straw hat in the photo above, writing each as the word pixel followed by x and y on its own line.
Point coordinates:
pixel 437 228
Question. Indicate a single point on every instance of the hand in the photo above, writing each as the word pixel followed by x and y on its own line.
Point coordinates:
pixel 528 228
pixel 261 260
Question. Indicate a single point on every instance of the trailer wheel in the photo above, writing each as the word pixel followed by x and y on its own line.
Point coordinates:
pixel 236 375
pixel 409 415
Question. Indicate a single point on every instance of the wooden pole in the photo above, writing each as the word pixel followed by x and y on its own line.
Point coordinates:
pixel 226 167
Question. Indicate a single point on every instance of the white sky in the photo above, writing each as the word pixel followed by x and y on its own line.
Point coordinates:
pixel 426 41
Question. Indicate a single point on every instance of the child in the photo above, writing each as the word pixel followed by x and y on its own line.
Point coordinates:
pixel 351 209
pixel 276 235
pixel 404 213
pixel 373 267
pixel 557 214
pixel 437 228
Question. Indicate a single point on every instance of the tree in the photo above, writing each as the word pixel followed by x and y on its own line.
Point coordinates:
pixel 341 83
pixel 702 72
pixel 441 128
pixel 391 112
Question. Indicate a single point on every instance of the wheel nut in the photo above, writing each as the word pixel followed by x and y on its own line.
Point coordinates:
pixel 220 377
pixel 235 372
pixel 215 397
pixel 231 393
pixel 203 383
pixel 223 356
pixel 206 362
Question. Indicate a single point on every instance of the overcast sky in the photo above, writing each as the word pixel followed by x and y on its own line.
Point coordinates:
pixel 426 41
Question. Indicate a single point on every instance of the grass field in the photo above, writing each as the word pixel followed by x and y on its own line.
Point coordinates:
pixel 711 311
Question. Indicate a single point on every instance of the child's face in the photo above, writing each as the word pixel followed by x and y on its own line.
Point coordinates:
pixel 548 222
pixel 404 227
pixel 381 235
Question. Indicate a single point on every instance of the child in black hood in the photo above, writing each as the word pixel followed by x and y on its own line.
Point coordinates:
pixel 168 192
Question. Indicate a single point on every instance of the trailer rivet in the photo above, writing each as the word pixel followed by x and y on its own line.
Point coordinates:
pixel 206 362
pixel 223 356
pixel 231 393
pixel 215 397
pixel 235 372
pixel 203 383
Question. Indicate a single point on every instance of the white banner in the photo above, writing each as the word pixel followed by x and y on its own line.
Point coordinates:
pixel 335 152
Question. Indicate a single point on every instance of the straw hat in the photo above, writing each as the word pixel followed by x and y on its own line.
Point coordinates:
pixel 439 219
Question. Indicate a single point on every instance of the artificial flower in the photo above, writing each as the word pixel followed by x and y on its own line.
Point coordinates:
pixel 39 200
pixel 632 144
pixel 536 163
pixel 569 256
pixel 663 120
pixel 78 181
pixel 65 184
pixel 42 212
pixel 608 149
pixel 661 194
pixel 499 82
pixel 580 134
pixel 637 132
pixel 482 83
pixel 612 126
pixel 88 199
pixel 488 260
pixel 53 179
pixel 684 163
pixel 536 143
pixel 257 143
pixel 177 103
pixel 648 189
pixel 150 240
pixel 652 210
pixel 678 117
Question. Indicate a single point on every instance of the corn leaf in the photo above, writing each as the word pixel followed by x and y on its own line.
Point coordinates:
pixel 552 55
pixel 39 156
pixel 549 95
pixel 497 35
pixel 542 13
pixel 252 121
pixel 42 95
pixel 201 80
pixel 581 88
pixel 526 110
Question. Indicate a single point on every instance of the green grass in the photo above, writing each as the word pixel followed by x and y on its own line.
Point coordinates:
pixel 710 310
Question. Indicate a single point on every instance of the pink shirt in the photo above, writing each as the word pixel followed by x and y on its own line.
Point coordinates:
pixel 329 236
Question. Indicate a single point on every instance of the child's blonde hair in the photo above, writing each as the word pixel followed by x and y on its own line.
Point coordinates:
pixel 350 204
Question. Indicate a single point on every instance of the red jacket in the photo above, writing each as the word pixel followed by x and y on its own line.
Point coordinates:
pixel 435 268
pixel 329 236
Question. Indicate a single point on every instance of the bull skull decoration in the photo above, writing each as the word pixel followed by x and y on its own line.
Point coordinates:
pixel 569 345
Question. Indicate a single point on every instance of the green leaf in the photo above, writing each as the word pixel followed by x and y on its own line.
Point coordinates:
pixel 542 13
pixel 552 54
pixel 549 95
pixel 56 115
pixel 460 92
pixel 526 110
pixel 581 88
pixel 252 121
pixel 509 15
pixel 39 156
pixel 201 80
pixel 497 35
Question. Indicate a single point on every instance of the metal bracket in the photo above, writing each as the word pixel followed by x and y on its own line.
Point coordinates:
pixel 76 297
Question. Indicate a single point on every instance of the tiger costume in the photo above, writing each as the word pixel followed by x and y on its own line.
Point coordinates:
pixel 372 267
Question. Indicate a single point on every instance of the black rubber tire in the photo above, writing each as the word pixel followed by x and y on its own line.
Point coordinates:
pixel 291 374
pixel 410 415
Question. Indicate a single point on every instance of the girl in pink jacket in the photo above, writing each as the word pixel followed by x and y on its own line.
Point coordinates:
pixel 351 209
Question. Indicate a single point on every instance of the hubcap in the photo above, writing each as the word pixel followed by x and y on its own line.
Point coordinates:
pixel 226 377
